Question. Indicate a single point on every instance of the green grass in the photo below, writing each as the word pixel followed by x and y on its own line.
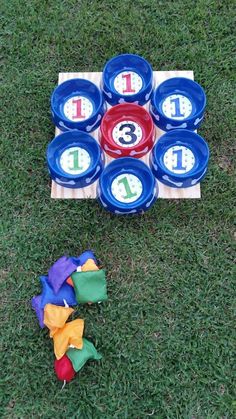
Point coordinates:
pixel 166 333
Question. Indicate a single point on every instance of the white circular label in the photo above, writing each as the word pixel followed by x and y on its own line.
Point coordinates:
pixel 126 188
pixel 128 83
pixel 75 160
pixel 179 159
pixel 78 108
pixel 177 107
pixel 127 134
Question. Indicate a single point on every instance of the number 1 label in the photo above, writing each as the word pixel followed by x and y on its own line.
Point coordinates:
pixel 75 160
pixel 78 113
pixel 128 193
pixel 177 113
pixel 78 108
pixel 126 188
pixel 179 159
pixel 179 162
pixel 128 88
pixel 177 107
pixel 128 83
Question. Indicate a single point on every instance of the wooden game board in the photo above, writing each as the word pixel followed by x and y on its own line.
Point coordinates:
pixel 60 192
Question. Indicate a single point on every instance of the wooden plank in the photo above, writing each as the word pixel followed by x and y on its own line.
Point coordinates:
pixel 59 192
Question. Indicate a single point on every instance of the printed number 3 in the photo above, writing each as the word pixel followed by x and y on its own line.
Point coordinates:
pixel 133 137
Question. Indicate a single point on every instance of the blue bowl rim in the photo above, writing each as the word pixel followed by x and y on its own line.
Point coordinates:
pixel 62 172
pixel 144 87
pixel 61 116
pixel 192 172
pixel 142 199
pixel 170 120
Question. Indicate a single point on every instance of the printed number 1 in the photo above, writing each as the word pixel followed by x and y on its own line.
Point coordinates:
pixel 179 163
pixel 128 88
pixel 78 103
pixel 177 108
pixel 76 165
pixel 129 193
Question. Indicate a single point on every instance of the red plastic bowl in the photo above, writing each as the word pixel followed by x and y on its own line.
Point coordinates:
pixel 127 130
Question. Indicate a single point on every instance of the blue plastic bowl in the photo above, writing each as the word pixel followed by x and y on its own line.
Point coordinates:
pixel 75 159
pixel 178 103
pixel 127 78
pixel 127 186
pixel 77 104
pixel 180 158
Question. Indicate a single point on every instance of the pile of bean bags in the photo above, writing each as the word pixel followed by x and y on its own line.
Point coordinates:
pixel 70 281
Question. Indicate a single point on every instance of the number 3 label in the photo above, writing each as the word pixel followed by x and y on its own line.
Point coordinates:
pixel 127 134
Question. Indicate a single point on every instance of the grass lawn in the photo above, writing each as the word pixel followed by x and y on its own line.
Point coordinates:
pixel 166 333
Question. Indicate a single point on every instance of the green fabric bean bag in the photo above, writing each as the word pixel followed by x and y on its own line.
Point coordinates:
pixel 90 286
pixel 79 357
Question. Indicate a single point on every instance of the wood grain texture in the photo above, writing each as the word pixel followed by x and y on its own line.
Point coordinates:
pixel 59 192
